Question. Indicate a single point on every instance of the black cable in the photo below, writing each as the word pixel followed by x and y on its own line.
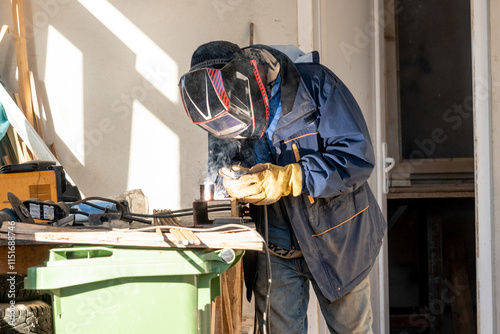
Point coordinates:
pixel 97 198
pixel 171 215
pixel 266 315
pixel 157 215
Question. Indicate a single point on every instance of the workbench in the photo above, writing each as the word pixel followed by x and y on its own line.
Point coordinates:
pixel 33 242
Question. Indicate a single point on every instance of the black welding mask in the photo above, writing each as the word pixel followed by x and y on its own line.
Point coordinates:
pixel 228 102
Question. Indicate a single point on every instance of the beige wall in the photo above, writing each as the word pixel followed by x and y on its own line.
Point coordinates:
pixel 107 72
pixel 347 49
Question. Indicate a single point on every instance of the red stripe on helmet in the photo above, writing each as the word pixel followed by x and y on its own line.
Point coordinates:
pixel 216 78
pixel 262 91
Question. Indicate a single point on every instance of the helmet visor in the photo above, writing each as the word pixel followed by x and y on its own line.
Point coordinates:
pixel 219 101
pixel 226 126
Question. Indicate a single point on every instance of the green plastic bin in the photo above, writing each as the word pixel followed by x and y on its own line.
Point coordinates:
pixel 130 290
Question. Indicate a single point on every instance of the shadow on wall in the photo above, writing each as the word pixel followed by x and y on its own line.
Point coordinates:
pixel 112 90
pixel 106 76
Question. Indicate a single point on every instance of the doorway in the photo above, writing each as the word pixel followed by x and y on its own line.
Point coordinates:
pixel 430 204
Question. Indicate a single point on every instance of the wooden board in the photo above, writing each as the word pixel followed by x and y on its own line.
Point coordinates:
pixel 234 239
pixel 22 58
pixel 36 109
pixel 26 256
pixel 458 190
pixel 232 293
pixel 459 294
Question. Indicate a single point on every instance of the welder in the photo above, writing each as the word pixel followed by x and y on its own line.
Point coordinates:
pixel 299 136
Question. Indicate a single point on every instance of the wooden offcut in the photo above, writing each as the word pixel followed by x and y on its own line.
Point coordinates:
pixel 182 235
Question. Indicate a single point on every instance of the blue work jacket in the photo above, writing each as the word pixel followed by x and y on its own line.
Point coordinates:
pixel 336 221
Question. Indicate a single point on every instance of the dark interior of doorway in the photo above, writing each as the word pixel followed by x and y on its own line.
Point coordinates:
pixel 435 79
pixel 431 236
pixel 432 265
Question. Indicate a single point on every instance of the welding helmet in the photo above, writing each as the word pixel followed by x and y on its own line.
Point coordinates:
pixel 226 98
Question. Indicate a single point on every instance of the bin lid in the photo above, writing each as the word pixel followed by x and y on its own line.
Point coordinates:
pixel 81 265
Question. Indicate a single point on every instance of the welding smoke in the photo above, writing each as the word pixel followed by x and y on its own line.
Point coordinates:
pixel 220 154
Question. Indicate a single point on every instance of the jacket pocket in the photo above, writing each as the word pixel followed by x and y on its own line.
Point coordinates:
pixel 332 213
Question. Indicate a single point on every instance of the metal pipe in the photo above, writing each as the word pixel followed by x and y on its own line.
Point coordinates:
pixel 200 213
pixel 235 208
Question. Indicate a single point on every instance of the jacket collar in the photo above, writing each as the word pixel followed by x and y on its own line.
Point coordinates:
pixel 290 78
pixel 296 100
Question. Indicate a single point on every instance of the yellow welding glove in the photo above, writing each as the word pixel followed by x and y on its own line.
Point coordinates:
pixel 265 183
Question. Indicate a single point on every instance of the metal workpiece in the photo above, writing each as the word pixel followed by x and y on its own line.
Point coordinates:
pixel 200 213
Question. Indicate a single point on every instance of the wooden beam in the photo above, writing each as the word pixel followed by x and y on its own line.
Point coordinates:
pixel 26 256
pixel 22 58
pixel 16 145
pixel 53 150
pixel 26 153
pixel 227 313
pixel 459 294
pixel 233 301
pixel 36 109
pixel 435 275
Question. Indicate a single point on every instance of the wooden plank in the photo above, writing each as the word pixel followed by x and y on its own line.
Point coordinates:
pixel 8 149
pixel 417 195
pixel 212 317
pixel 227 314
pixel 233 301
pixel 435 268
pixel 184 235
pixel 26 153
pixel 455 190
pixel 218 327
pixel 459 295
pixel 53 150
pixel 26 256
pixel 22 58
pixel 156 223
pixel 234 239
pixel 36 109
pixel 16 145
